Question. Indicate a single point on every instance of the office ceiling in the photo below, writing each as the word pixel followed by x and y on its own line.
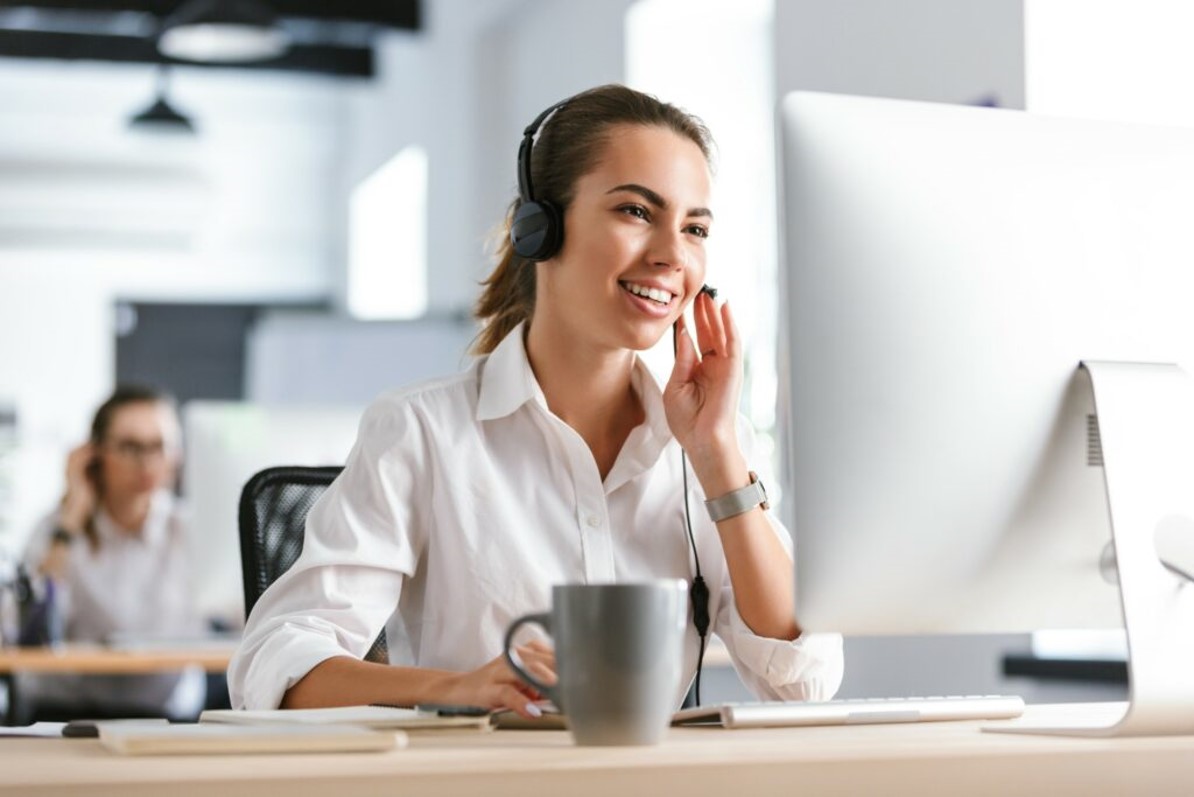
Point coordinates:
pixel 330 37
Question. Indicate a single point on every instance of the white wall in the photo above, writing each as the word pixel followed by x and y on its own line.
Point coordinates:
pixel 53 375
pixel 958 51
pixel 246 201
pixel 1128 60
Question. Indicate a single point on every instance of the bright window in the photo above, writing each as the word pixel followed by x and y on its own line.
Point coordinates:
pixel 387 240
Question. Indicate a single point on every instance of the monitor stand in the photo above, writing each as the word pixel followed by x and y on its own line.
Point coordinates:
pixel 1146 427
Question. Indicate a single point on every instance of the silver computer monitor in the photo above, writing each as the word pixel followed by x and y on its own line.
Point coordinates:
pixel 946 271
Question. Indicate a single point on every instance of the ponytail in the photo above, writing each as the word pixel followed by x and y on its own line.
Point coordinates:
pixel 508 298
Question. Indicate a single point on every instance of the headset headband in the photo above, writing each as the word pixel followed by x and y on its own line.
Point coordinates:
pixel 526 191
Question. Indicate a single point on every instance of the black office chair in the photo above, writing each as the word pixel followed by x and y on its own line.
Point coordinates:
pixel 273 518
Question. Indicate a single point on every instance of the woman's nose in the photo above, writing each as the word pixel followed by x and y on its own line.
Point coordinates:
pixel 668 250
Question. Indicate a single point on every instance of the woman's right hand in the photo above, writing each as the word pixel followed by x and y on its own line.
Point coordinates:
pixel 81 497
pixel 496 686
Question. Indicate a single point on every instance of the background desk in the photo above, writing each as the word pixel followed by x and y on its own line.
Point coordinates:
pixel 98 660
pixel 913 759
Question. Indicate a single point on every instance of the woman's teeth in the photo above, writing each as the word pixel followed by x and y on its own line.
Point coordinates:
pixel 654 294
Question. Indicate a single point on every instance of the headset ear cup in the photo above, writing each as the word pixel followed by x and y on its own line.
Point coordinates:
pixel 537 231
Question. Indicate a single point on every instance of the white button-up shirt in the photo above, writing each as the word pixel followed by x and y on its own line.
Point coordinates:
pixel 463 501
pixel 134 585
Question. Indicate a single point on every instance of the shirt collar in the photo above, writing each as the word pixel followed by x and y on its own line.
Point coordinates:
pixel 507 381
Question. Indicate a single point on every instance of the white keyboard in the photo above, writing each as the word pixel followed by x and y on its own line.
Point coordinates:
pixel 853 712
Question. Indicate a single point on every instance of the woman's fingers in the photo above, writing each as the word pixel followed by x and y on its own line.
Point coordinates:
pixel 540 661
pixel 732 336
pixel 706 341
pixel 686 358
pixel 543 671
pixel 512 698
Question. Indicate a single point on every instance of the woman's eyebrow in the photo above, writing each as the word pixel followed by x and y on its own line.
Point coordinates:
pixel 655 199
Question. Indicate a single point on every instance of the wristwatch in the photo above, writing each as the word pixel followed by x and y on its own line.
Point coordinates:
pixel 738 501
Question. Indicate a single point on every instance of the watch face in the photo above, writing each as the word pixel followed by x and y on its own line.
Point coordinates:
pixel 754 477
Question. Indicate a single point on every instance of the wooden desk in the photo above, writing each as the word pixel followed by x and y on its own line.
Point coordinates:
pixel 98 660
pixel 914 759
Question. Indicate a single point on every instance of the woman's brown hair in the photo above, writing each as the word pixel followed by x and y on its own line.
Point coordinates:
pixel 568 147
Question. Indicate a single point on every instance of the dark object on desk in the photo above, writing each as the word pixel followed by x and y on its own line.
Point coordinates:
pixel 453 711
pixel 24 711
pixel 39 621
pixel 89 729
pixel 273 516
pixel 1108 671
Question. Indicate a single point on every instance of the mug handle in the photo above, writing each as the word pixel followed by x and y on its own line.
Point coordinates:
pixel 515 662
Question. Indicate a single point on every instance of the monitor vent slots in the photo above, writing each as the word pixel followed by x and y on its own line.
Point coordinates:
pixel 1094 446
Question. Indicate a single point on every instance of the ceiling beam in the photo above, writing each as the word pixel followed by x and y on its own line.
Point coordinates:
pixel 398 14
pixel 339 61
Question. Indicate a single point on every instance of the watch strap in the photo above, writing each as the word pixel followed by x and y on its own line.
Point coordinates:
pixel 738 501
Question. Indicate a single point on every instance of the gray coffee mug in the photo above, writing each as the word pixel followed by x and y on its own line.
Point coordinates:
pixel 619 658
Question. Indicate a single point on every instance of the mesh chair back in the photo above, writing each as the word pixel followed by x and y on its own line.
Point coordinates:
pixel 273 518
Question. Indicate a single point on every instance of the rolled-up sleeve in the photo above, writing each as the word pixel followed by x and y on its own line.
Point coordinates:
pixel 809 667
pixel 363 538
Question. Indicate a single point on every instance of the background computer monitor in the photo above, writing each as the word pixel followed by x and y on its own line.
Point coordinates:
pixel 226 443
pixel 945 270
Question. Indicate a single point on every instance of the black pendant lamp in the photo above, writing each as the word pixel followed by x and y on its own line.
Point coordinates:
pixel 160 116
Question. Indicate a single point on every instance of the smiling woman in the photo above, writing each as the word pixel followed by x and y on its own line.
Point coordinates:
pixel 556 458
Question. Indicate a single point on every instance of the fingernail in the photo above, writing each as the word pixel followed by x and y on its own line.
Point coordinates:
pixel 534 710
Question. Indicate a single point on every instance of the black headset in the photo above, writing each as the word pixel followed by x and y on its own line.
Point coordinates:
pixel 537 230
pixel 537 233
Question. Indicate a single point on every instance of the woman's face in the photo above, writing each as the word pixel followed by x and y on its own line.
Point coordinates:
pixel 139 453
pixel 636 226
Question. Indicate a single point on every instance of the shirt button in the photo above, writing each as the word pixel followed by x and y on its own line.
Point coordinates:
pixel 593 521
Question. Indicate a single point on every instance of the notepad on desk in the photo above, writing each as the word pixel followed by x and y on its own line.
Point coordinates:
pixel 215 738
pixel 375 717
